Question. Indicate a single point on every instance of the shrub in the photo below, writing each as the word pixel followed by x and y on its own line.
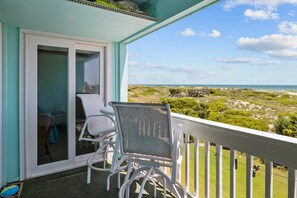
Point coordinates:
pixel 286 125
pixel 187 106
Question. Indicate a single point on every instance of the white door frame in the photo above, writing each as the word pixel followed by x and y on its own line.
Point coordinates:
pixel 31 84
pixel 75 161
pixel 1 104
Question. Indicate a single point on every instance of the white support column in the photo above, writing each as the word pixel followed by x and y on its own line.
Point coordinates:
pixel 207 170
pixel 196 166
pixel 233 173
pixel 1 104
pixel 187 163
pixel 249 176
pixel 219 171
pixel 292 183
pixel 268 179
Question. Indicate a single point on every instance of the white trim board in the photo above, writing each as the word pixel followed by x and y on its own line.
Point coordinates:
pixel 1 104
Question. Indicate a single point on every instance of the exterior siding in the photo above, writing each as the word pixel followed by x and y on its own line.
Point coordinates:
pixel 10 102
pixel 119 71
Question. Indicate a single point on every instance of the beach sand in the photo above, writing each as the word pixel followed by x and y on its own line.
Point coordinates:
pixel 292 93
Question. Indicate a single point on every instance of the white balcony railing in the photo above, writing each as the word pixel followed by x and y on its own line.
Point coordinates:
pixel 273 148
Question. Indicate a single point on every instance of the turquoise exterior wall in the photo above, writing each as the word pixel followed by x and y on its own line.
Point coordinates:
pixel 10 104
pixel 168 8
pixel 119 74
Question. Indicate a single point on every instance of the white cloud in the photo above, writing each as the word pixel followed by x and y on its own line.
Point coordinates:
pixel 288 27
pixel 275 45
pixel 244 60
pixel 214 34
pixel 269 4
pixel 260 14
pixel 263 9
pixel 169 68
pixel 188 32
pixel 226 67
pixel 132 63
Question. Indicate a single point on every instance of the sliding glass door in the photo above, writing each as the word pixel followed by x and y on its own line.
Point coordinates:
pixel 58 69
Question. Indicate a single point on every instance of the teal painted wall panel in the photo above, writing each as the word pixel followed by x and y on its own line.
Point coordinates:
pixel 119 71
pixel 176 6
pixel 10 104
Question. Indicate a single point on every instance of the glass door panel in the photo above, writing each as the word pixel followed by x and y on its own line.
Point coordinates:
pixel 52 104
pixel 88 81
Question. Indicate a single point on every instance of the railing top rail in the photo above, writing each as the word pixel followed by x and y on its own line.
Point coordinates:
pixel 277 148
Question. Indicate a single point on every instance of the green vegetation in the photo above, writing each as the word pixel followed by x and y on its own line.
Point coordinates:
pixel 188 106
pixel 286 125
pixel 241 107
pixel 105 3
pixel 220 112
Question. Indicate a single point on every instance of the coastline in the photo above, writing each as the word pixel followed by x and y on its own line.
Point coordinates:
pixel 276 88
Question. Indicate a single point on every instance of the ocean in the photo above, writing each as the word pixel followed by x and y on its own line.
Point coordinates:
pixel 255 87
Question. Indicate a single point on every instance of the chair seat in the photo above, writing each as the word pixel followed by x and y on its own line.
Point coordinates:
pixel 104 131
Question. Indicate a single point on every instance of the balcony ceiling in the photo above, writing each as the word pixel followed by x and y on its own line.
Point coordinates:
pixel 70 18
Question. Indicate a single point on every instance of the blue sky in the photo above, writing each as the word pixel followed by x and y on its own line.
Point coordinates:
pixel 230 42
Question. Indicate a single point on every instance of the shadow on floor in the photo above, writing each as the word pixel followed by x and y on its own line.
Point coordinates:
pixel 72 184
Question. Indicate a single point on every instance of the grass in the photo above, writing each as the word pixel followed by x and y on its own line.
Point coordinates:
pixel 279 183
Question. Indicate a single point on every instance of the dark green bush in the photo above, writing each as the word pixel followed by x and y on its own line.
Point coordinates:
pixel 187 106
pixel 286 125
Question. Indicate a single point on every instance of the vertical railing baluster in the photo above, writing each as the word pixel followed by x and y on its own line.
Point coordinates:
pixel 187 163
pixel 233 166
pixel 268 179
pixel 219 172
pixel 196 166
pixel 207 169
pixel 292 183
pixel 249 176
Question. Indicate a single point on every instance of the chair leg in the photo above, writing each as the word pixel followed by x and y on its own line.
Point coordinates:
pixel 144 182
pixel 89 175
pixel 164 187
pixel 119 180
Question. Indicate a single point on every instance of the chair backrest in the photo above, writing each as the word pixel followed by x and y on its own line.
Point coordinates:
pixel 45 123
pixel 91 106
pixel 144 129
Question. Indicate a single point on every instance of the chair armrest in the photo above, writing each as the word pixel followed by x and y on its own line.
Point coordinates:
pixel 104 131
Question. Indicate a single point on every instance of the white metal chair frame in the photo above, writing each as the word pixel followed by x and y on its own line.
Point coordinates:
pixel 105 138
pixel 148 164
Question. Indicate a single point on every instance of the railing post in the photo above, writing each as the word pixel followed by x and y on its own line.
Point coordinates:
pixel 207 170
pixel 219 171
pixel 268 179
pixel 249 176
pixel 292 183
pixel 233 165
pixel 187 163
pixel 196 166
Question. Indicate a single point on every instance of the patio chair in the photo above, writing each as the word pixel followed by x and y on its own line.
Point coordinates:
pixel 99 129
pixel 45 125
pixel 148 142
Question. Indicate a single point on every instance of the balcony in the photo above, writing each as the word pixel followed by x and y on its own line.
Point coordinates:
pixel 259 164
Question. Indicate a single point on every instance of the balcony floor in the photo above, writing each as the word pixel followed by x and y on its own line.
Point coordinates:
pixel 73 184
